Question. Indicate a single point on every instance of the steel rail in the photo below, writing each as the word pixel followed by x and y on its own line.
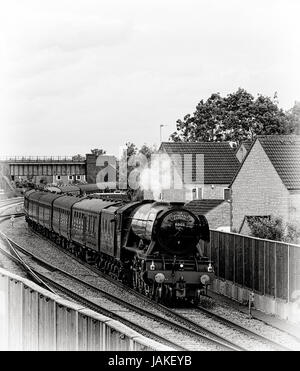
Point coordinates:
pixel 16 257
pixel 240 328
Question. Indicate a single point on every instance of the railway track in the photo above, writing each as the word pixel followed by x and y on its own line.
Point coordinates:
pixel 8 204
pixel 198 336
pixel 241 329
pixel 10 201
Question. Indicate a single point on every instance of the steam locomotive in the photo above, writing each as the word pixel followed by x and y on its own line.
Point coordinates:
pixel 151 246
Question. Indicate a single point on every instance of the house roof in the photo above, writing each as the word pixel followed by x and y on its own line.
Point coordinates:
pixel 284 153
pixel 202 207
pixel 220 162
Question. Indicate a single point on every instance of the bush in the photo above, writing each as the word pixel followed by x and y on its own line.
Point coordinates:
pixel 273 228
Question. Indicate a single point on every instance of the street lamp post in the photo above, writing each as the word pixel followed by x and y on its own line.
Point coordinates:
pixel 160 132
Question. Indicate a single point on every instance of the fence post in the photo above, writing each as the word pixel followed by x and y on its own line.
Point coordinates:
pixel 288 274
pixel 275 270
pixel 253 263
pixel 243 244
pixel 234 280
pixel 264 267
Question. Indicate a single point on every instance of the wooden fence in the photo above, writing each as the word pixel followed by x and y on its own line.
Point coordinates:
pixel 266 267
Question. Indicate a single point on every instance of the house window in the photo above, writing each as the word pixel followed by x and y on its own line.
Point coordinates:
pixel 227 195
pixel 58 177
pixel 70 177
pixel 78 177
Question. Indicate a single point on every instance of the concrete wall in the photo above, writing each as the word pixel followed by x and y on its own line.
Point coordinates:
pixel 265 303
pixel 258 189
pixel 32 318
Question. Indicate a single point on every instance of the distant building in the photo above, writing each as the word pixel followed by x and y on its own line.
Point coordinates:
pixel 59 170
pixel 268 181
pixel 47 169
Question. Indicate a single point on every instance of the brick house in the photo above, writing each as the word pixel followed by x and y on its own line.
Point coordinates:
pixel 268 181
pixel 207 169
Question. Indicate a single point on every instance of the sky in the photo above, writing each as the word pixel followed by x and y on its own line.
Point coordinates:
pixel 83 74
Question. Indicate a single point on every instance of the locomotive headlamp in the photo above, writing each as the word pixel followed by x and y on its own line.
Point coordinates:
pixel 152 266
pixel 181 265
pixel 204 279
pixel 160 278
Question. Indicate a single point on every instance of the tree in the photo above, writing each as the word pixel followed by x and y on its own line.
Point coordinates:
pixel 132 149
pixel 98 152
pixel 294 116
pixel 147 150
pixel 78 157
pixel 273 228
pixel 237 117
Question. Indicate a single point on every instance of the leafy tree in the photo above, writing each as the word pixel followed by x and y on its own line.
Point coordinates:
pixel 273 228
pixel 267 228
pixel 78 157
pixel 98 152
pixel 237 117
pixel 147 150
pixel 294 116
pixel 132 149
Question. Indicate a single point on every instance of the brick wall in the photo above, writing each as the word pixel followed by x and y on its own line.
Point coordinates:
pixel 258 189
pixel 214 193
pixel 294 208
pixel 219 216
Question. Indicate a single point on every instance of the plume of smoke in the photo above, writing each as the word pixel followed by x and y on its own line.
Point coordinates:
pixel 159 176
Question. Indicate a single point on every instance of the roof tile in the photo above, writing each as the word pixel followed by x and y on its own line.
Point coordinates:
pixel 202 207
pixel 220 162
pixel 284 153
